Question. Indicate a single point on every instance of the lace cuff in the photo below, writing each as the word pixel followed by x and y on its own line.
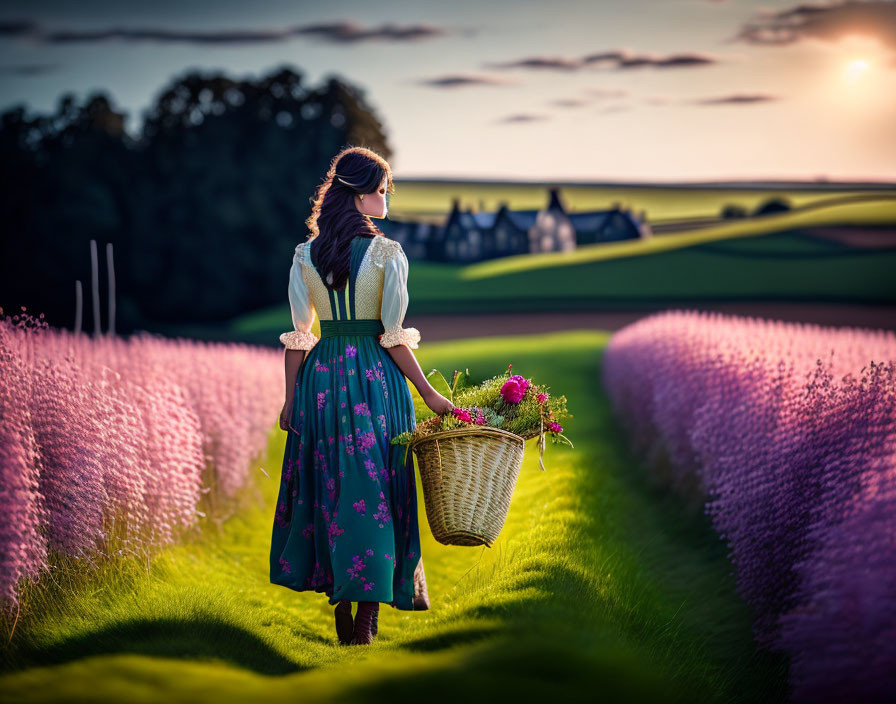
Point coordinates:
pixel 298 340
pixel 398 335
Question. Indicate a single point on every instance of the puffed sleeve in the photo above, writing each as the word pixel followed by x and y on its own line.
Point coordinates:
pixel 301 308
pixel 395 302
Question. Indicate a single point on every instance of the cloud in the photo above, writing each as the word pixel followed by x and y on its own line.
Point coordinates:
pixel 541 62
pixel 615 59
pixel 737 99
pixel 28 69
pixel 823 22
pixel 17 28
pixel 568 102
pixel 334 32
pixel 523 117
pixel 624 60
pixel 459 80
pixel 607 93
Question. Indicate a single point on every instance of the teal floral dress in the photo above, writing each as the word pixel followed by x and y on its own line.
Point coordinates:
pixel 345 522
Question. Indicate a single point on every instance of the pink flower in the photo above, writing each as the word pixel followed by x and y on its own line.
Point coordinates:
pixel 480 419
pixel 521 380
pixel 541 398
pixel 512 391
pixel 462 414
pixel 555 427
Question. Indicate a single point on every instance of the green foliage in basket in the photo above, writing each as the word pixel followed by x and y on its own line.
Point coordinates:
pixel 507 401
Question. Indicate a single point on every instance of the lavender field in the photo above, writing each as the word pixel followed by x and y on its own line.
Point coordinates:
pixel 117 454
pixel 111 446
pixel 787 433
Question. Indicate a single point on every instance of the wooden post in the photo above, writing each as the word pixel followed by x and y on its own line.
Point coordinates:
pixel 95 286
pixel 110 267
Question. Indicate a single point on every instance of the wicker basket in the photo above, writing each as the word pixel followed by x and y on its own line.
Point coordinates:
pixel 468 476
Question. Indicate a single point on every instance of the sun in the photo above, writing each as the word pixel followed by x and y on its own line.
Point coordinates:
pixel 855 69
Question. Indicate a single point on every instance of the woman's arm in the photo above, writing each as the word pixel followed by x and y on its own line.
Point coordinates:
pixel 410 367
pixel 400 341
pixel 293 363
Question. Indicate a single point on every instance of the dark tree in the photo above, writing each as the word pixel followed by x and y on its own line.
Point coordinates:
pixel 204 206
pixel 733 211
pixel 773 205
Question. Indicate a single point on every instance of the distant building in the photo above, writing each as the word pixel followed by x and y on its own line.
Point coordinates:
pixel 469 237
pixel 415 237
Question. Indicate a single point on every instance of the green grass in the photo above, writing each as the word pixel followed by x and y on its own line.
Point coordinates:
pixel 598 587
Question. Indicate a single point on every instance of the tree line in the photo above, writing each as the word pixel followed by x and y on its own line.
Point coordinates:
pixel 204 205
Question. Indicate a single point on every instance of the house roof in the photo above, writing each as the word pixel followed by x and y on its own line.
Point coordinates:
pixel 484 220
pixel 521 219
pixel 589 222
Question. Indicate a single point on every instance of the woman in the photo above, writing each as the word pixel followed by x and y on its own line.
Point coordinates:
pixel 346 516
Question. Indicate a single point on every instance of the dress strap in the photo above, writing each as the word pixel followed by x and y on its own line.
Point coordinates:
pixel 359 249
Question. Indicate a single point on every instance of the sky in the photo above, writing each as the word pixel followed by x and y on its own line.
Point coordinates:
pixel 581 90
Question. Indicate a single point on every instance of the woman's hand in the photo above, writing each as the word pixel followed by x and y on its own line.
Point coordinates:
pixel 285 414
pixel 438 403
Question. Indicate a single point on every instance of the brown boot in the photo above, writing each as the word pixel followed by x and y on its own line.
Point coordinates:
pixel 344 623
pixel 363 634
pixel 421 595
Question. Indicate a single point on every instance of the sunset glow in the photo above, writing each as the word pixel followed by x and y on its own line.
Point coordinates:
pixel 856 69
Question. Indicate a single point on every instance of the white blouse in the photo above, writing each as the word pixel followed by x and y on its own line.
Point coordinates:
pixel 395 302
pixel 392 312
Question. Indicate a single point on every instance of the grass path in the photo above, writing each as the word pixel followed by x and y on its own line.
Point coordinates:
pixel 598 587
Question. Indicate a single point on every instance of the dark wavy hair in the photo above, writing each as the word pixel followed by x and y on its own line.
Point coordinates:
pixel 335 220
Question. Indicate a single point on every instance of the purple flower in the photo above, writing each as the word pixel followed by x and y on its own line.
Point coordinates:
pixel 779 430
pixel 334 531
pixel 382 515
pixel 280 515
pixel 366 440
